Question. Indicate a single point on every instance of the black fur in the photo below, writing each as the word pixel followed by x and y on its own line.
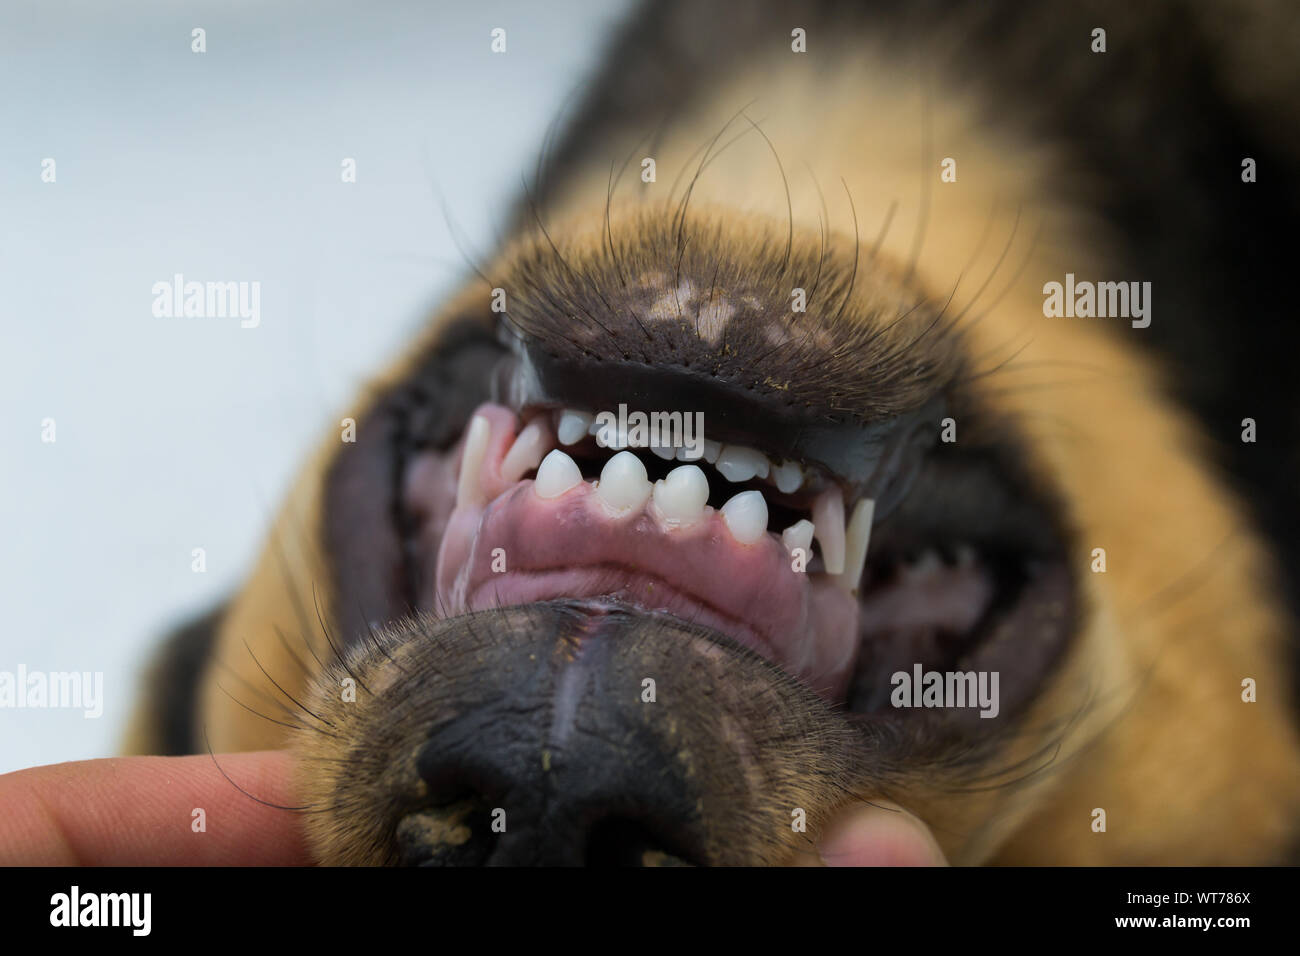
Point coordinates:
pixel 173 685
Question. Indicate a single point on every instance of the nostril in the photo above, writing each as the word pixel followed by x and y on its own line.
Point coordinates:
pixel 456 832
pixel 490 796
pixel 619 841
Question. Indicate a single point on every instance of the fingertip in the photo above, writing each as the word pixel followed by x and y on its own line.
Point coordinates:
pixel 231 809
pixel 880 834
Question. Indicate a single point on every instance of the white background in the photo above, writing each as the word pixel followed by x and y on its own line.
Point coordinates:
pixel 180 433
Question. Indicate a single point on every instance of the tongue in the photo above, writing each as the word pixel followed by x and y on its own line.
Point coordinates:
pixel 505 545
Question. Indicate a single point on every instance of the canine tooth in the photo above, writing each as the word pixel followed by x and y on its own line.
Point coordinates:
pixel 738 463
pixel 787 476
pixel 573 426
pixel 623 482
pixel 681 496
pixel 828 519
pixel 527 451
pixel 711 450
pixel 556 474
pixel 859 536
pixel 689 454
pixel 746 516
pixel 468 486
pixel 799 535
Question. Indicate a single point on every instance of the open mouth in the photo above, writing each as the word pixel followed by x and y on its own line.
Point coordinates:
pixel 842 569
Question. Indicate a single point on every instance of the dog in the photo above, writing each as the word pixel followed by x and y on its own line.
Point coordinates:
pixel 990 514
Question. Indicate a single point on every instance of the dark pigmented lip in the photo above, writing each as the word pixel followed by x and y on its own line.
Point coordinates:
pixel 869 459
pixel 978 499
pixel 1019 636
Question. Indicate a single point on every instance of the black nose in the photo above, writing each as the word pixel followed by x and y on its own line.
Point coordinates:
pixel 571 763
pixel 593 799
pixel 574 732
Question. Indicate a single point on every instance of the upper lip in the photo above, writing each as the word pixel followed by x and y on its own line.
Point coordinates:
pixel 865 457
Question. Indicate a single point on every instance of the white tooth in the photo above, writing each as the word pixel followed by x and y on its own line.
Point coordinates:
pixel 469 490
pixel 788 476
pixel 799 535
pixel 556 474
pixel 711 450
pixel 663 451
pixel 527 451
pixel 746 516
pixel 689 454
pixel 623 482
pixel 738 463
pixel 573 426
pixel 681 496
pixel 828 518
pixel 859 535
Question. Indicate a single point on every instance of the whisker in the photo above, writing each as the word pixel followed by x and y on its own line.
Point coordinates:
pixel 277 686
pixel 222 771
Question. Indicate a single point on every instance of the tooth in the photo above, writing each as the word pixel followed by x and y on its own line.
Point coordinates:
pixel 573 426
pixel 799 535
pixel 828 519
pixel 527 451
pixel 711 450
pixel 689 454
pixel 746 516
pixel 859 535
pixel 623 482
pixel 681 496
pixel 738 463
pixel 469 489
pixel 663 451
pixel 556 474
pixel 788 476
